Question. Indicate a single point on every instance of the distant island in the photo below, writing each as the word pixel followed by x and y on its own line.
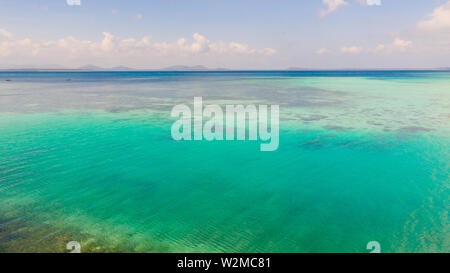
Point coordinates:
pixel 98 68
pixel 193 68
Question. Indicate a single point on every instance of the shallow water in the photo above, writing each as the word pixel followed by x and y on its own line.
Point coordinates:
pixel 88 157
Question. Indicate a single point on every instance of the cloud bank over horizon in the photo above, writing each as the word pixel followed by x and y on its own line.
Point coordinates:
pixel 112 50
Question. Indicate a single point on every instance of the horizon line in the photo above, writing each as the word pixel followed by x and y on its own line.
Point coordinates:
pixel 215 70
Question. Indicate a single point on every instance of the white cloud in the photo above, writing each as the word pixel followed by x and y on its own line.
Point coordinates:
pixel 8 45
pixel 439 19
pixel 322 51
pixel 200 45
pixel 352 49
pixel 402 44
pixel 115 50
pixel 397 45
pixel 373 2
pixel 369 2
pixel 5 34
pixel 332 5
pixel 109 42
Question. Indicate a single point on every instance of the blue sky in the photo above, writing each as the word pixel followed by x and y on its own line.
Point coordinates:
pixel 245 34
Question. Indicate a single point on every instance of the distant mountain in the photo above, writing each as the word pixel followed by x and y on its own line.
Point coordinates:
pixel 192 68
pixel 90 67
pixel 120 68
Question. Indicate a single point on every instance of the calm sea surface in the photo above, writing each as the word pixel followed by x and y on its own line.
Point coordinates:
pixel 88 157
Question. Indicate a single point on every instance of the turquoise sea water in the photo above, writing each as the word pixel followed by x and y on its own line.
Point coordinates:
pixel 88 157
